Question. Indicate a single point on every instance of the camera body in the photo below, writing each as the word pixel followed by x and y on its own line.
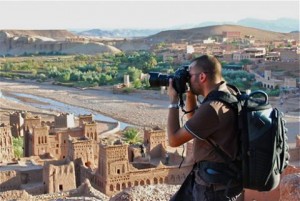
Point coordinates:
pixel 180 78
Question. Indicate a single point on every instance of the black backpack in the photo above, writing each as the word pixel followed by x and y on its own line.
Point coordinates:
pixel 263 149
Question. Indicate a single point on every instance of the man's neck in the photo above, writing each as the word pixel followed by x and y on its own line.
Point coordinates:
pixel 211 86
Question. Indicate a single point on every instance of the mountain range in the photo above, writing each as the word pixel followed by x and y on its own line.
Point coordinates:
pixel 49 42
pixel 282 25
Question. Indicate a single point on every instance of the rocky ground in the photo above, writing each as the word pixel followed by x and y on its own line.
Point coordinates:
pixel 143 108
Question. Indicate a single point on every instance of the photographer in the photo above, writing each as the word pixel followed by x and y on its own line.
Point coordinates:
pixel 212 120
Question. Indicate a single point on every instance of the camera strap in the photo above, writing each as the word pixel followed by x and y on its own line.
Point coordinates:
pixel 181 104
pixel 186 112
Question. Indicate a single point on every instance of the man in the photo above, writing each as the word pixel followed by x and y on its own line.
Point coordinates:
pixel 212 120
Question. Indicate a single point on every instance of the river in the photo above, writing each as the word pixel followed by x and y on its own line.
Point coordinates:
pixel 52 105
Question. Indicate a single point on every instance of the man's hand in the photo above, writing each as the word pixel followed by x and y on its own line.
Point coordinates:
pixel 173 95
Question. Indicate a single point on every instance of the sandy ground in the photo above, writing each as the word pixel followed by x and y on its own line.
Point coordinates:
pixel 140 108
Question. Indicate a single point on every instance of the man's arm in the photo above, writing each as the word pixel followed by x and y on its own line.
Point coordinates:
pixel 176 135
pixel 191 103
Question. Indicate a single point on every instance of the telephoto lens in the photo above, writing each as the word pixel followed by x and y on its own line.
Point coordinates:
pixel 159 79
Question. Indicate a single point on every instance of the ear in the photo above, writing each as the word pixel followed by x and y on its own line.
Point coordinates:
pixel 202 77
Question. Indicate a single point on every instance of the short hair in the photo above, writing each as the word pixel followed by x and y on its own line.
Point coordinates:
pixel 209 65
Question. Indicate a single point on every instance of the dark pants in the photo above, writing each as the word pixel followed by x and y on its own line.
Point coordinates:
pixel 192 191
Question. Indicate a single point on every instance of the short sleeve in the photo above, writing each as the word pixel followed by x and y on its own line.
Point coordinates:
pixel 204 122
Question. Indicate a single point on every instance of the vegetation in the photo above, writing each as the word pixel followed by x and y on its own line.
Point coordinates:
pixel 106 69
pixel 85 70
pixel 241 79
pixel 18 147
pixel 132 136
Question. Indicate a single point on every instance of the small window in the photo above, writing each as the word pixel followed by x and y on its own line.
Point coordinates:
pixel 118 171
pixel 60 187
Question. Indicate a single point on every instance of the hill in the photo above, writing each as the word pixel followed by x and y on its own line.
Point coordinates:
pixel 284 25
pixel 59 35
pixel 47 42
pixel 196 34
pixel 24 42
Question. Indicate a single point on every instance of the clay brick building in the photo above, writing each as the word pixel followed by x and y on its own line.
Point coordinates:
pixel 6 144
pixel 59 176
pixel 64 120
pixel 83 149
pixel 121 165
pixel 54 141
pixel 21 175
pixel 116 166
pixel 85 118
pixel 231 34
pixel 16 120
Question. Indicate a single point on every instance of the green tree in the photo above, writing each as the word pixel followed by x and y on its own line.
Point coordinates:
pixel 7 66
pixel 134 73
pixel 246 61
pixel 64 77
pixel 18 147
pixel 132 136
pixel 104 79
pixel 137 84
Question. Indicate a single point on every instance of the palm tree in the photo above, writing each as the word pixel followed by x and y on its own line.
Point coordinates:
pixel 132 136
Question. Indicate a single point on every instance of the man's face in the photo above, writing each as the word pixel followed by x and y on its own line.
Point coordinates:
pixel 195 85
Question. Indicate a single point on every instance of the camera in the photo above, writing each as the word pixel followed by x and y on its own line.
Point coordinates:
pixel 180 78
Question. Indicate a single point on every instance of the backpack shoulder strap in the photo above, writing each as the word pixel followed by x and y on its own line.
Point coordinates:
pixel 230 100
pixel 224 97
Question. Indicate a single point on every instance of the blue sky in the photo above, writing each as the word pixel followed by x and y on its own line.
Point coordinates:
pixel 136 14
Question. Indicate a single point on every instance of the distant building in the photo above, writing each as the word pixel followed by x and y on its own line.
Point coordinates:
pixel 272 56
pixel 231 34
pixel 64 120
pixel 289 83
pixel 209 41
pixel 258 52
pixel 249 53
pixel 267 80
pixel 190 49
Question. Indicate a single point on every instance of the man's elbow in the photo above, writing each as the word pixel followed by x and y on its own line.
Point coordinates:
pixel 174 143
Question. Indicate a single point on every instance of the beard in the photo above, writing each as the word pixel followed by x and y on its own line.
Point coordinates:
pixel 195 88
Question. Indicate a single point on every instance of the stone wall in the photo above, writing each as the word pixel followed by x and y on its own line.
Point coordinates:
pixel 9 180
pixel 290 187
pixel 59 176
pixel 294 154
pixel 6 144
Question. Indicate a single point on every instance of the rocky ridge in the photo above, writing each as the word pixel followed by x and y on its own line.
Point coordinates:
pixel 17 43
